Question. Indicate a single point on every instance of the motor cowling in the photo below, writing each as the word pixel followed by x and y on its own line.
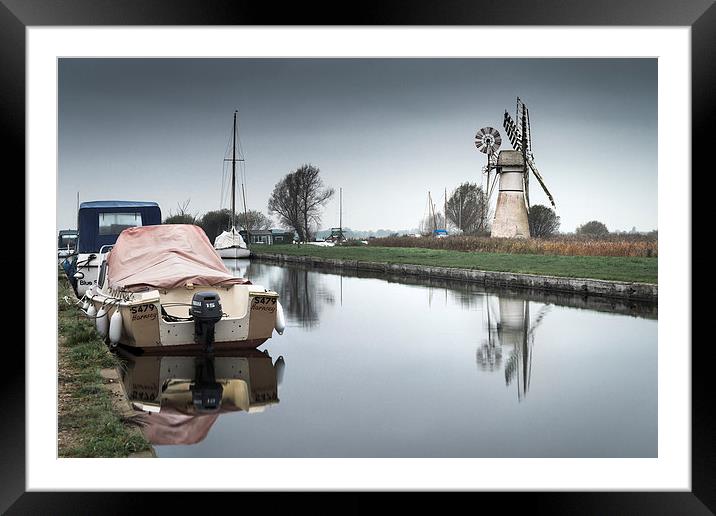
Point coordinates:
pixel 206 311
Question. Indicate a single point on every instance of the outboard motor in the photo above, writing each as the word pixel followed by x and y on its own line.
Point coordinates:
pixel 206 310
pixel 206 392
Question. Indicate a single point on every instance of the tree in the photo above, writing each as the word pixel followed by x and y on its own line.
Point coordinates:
pixel 544 222
pixel 467 208
pixel 182 216
pixel 593 228
pixel 253 220
pixel 298 198
pixel 214 222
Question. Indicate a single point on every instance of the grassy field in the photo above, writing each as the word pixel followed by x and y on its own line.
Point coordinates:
pixel 88 423
pixel 617 268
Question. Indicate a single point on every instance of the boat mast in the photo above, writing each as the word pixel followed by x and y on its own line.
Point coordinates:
pixel 233 174
pixel 243 191
pixel 445 210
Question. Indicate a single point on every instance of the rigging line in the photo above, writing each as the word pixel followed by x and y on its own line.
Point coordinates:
pixel 223 183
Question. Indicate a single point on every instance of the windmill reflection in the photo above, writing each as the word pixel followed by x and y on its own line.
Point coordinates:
pixel 510 330
pixel 179 398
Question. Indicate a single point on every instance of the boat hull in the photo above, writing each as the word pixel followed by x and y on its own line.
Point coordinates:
pixel 234 252
pixel 155 320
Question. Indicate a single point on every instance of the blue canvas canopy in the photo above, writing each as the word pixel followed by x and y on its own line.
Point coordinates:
pixel 101 222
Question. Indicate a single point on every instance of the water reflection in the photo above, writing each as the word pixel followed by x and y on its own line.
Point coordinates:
pixel 181 397
pixel 407 366
pixel 240 267
pixel 303 293
pixel 509 328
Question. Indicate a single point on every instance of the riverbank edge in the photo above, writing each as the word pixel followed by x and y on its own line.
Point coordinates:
pixel 577 286
pixel 110 382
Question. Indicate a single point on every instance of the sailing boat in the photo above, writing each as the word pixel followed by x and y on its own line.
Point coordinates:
pixel 230 244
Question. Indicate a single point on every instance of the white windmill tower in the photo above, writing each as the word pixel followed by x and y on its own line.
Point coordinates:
pixel 513 168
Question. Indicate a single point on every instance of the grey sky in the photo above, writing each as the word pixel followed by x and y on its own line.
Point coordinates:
pixel 385 130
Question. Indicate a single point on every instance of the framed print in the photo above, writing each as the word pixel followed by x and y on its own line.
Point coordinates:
pixel 571 392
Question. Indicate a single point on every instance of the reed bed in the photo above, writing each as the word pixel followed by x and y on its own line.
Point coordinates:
pixel 566 245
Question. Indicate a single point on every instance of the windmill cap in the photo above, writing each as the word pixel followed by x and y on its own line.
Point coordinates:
pixel 510 158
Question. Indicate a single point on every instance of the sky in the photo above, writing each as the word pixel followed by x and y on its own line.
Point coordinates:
pixel 386 131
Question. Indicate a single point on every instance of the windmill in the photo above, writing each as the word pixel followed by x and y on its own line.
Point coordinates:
pixel 520 136
pixel 487 141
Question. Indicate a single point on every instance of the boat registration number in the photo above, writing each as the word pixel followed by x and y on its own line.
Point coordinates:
pixel 264 300
pixel 142 308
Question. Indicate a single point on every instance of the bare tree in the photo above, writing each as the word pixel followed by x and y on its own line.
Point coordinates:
pixel 298 198
pixel 182 216
pixel 284 202
pixel 467 208
pixel 543 221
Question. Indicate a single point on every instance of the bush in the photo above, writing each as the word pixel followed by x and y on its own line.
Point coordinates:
pixel 593 228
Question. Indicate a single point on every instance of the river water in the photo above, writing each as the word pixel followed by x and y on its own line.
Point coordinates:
pixel 371 366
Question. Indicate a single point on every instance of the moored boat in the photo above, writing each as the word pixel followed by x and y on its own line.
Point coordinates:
pixel 165 286
pixel 230 244
pixel 99 224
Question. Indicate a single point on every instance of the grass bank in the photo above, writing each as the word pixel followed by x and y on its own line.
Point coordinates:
pixel 615 268
pixel 89 424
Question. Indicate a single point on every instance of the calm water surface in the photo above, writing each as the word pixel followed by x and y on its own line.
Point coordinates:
pixel 376 367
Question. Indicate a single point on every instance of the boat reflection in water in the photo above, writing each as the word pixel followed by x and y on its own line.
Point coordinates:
pixel 238 266
pixel 180 397
pixel 509 329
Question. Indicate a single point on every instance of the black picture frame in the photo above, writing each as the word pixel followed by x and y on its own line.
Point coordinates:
pixel 699 15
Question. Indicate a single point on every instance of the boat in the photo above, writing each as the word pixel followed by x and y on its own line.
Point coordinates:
pixel 230 243
pixel 99 223
pixel 66 244
pixel 162 287
pixel 180 397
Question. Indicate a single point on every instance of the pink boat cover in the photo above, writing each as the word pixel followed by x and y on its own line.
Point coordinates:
pixel 166 256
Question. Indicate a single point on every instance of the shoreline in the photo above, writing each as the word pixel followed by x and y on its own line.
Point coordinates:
pixel 623 290
pixel 95 417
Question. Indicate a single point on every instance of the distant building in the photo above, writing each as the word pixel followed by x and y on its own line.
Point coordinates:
pixel 336 235
pixel 268 236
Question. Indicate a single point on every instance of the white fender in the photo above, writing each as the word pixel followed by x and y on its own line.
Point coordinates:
pixel 102 322
pixel 115 327
pixel 280 324
pixel 85 304
pixel 279 366
pixel 91 310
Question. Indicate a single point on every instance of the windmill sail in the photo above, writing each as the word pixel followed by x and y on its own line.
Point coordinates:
pixel 533 167
pixel 513 132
